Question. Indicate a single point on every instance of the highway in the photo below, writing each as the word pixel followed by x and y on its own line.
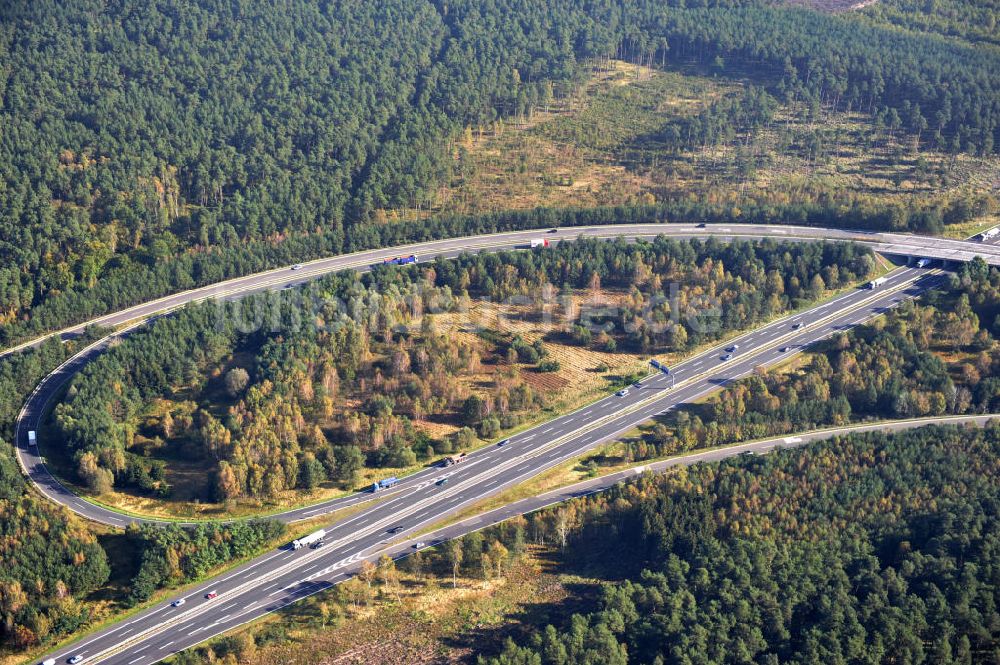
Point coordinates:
pixel 281 577
pixel 887 243
pixel 33 410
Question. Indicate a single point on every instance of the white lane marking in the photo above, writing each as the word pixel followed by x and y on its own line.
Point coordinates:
pixel 136 660
pixel 166 645
pixel 142 648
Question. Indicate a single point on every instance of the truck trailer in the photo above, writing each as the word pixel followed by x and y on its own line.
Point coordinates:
pixel 877 282
pixel 313 537
pixel 384 484
pixel 539 242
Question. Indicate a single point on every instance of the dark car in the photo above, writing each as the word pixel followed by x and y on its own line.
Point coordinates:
pixel 443 481
pixel 503 443
pixel 796 326
pixel 728 356
pixel 553 230
pixel 783 349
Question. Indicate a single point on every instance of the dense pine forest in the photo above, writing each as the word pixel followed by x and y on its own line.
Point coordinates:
pixel 349 371
pixel 850 551
pixel 148 148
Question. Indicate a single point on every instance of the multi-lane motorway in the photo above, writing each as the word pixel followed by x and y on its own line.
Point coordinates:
pixel 34 408
pixel 383 525
pixel 284 576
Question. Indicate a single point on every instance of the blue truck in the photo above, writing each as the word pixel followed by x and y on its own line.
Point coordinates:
pixel 384 484
pixel 660 366
pixel 401 260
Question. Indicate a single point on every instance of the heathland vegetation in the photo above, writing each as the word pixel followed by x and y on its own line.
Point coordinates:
pixel 391 368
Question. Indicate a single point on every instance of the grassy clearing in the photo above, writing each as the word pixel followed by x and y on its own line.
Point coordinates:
pixel 600 145
pixel 419 618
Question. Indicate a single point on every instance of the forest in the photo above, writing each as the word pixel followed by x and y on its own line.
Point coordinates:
pixel 49 563
pixel 348 372
pixel 53 565
pixel 150 148
pixel 933 357
pixel 848 551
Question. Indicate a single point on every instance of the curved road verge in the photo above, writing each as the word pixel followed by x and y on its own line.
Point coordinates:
pixel 35 407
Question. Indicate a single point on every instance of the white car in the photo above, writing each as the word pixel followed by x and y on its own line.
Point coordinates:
pixel 420 545
pixel 178 602
pixel 49 661
pixel 297 266
pixel 75 659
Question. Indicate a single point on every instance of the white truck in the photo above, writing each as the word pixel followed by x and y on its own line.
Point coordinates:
pixel 539 242
pixel 877 282
pixel 990 233
pixel 32 439
pixel 304 541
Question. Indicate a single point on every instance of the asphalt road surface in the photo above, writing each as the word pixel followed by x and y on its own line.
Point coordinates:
pixel 283 576
pixel 899 244
pixel 34 409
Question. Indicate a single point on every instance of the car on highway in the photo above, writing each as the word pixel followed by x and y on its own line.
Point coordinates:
pixel 395 529
pixel 783 349
pixel 178 602
pixel 622 392
pixel 733 348
pixel 49 661
pixel 796 325
pixel 75 659
pixel 503 443
pixel 212 594
pixel 297 266
pixel 701 226
pixel 728 356
pixel 419 545
pixel 553 230
pixel 443 481
pixel 318 544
